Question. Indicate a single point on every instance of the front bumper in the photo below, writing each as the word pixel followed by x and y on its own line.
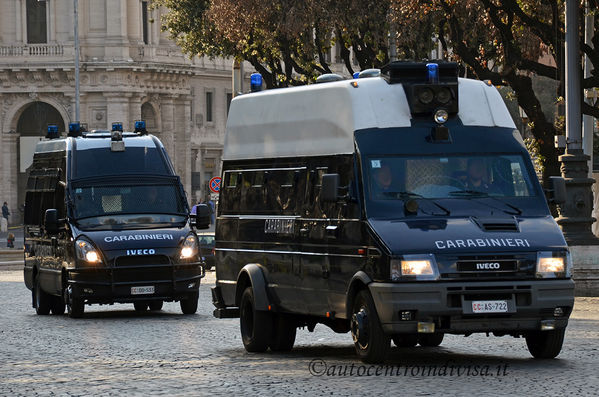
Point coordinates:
pixel 108 285
pixel 449 305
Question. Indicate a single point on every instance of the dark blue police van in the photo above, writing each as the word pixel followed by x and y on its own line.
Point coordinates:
pixel 106 221
pixel 400 206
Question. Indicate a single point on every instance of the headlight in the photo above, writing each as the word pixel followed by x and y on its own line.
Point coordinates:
pixel 190 247
pixel 86 251
pixel 553 264
pixel 416 267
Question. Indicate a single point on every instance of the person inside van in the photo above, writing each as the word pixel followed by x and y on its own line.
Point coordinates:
pixel 475 178
pixel 383 181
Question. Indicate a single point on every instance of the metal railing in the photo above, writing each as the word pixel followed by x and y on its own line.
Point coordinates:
pixel 40 50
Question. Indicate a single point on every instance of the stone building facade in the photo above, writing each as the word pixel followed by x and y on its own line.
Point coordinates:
pixel 129 71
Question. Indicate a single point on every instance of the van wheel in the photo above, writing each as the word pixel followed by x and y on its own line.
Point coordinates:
pixel 256 326
pixel 140 306
pixel 75 305
pixel 431 340
pixel 57 305
pixel 284 331
pixel 155 306
pixel 405 340
pixel 190 305
pixel 371 343
pixel 545 344
pixel 42 299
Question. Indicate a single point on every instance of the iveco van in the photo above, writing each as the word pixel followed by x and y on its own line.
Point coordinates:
pixel 401 206
pixel 106 221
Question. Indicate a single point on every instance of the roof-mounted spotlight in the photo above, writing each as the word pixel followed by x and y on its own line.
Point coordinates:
pixel 428 86
pixel 116 138
pixel 52 131
pixel 75 129
pixel 140 127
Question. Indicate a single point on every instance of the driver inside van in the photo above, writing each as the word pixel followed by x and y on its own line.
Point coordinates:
pixel 475 178
pixel 383 180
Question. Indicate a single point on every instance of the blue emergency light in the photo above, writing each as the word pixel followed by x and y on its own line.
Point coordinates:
pixel 74 129
pixel 117 127
pixel 140 127
pixel 433 73
pixel 356 75
pixel 52 131
pixel 255 82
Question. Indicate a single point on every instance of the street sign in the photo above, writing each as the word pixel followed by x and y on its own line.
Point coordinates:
pixel 215 184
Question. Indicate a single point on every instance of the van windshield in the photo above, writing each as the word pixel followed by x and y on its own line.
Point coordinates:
pixel 128 206
pixel 449 176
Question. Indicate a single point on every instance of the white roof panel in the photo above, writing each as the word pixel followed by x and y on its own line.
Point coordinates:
pixel 320 119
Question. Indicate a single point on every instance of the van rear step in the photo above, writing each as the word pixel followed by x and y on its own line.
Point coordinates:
pixel 226 313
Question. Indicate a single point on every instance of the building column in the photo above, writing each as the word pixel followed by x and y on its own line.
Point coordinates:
pixel 117 109
pixel 182 140
pixel 167 115
pixel 10 173
pixel 134 109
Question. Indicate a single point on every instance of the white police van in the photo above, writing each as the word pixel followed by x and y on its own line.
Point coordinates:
pixel 402 206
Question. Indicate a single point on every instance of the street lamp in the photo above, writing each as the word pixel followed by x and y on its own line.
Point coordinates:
pixel 76 23
pixel 575 215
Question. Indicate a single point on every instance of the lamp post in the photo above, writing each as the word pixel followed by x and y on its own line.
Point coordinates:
pixel 575 215
pixel 76 22
pixel 76 50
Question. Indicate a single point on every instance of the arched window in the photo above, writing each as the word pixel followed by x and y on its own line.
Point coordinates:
pixel 37 32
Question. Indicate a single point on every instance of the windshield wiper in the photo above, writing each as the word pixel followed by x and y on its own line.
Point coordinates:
pixel 402 195
pixel 475 193
pixel 468 193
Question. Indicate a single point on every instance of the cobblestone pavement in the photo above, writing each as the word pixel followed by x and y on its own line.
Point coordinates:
pixel 114 350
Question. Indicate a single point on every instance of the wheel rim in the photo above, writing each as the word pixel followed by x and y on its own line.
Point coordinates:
pixel 359 328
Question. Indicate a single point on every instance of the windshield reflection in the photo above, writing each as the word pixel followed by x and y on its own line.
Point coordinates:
pixel 121 206
pixel 438 177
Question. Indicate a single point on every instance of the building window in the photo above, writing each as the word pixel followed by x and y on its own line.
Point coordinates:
pixel 209 101
pixel 144 21
pixel 36 22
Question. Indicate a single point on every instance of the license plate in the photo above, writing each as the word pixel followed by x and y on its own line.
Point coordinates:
pixel 489 307
pixel 142 290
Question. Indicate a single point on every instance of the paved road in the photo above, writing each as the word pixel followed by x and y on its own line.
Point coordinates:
pixel 114 350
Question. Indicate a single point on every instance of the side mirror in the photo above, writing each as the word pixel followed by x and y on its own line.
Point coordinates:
pixel 51 221
pixel 202 216
pixel 557 193
pixel 329 191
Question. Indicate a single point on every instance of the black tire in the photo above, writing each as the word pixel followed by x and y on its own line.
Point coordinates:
pixel 190 305
pixel 75 304
pixel 41 299
pixel 545 344
pixel 256 326
pixel 57 306
pixel 140 306
pixel 405 340
pixel 431 340
pixel 156 306
pixel 284 331
pixel 371 343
